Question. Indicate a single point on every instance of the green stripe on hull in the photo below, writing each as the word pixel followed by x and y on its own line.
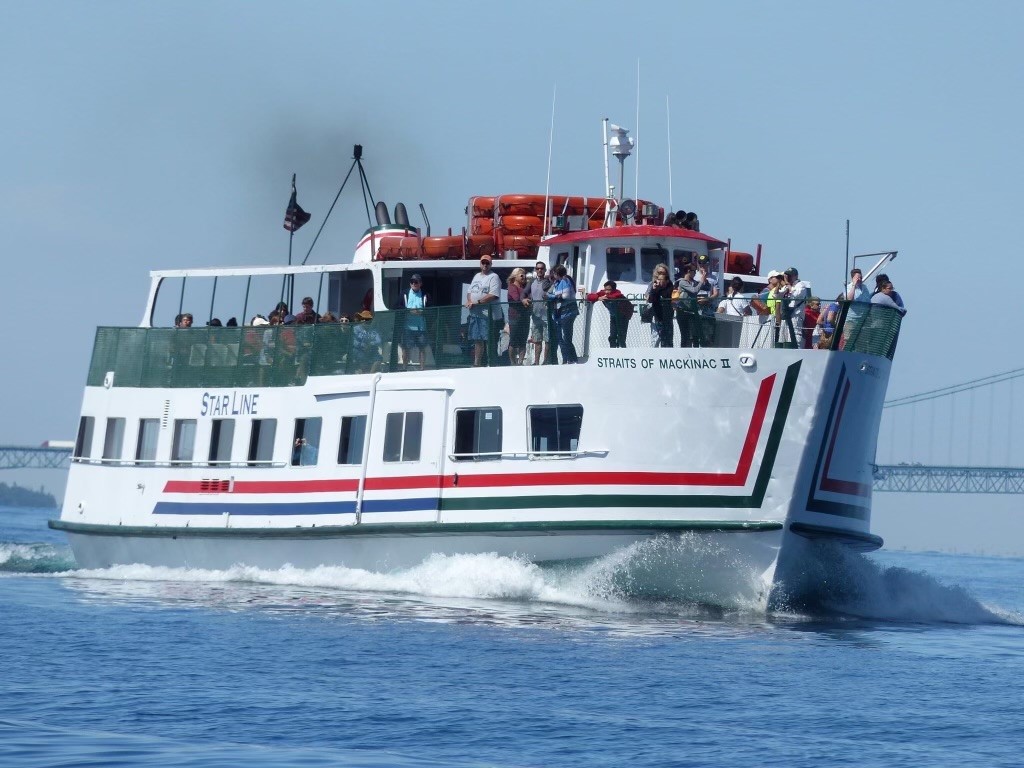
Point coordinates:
pixel 540 527
pixel 633 500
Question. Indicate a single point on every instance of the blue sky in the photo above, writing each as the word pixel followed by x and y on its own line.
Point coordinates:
pixel 140 136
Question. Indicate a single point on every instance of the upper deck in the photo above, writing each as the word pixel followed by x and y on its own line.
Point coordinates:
pixel 287 355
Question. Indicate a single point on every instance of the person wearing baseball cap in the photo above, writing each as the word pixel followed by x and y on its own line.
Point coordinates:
pixel 485 289
pixel 414 337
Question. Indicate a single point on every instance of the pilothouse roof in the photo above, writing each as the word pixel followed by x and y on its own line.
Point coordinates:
pixel 634 231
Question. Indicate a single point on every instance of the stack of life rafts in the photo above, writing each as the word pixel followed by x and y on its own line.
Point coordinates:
pixel 506 226
pixel 512 226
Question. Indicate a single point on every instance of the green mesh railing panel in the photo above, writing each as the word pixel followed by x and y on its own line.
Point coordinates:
pixel 280 356
pixel 869 328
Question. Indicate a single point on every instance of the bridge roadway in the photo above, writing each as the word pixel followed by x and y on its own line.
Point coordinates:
pixel 894 478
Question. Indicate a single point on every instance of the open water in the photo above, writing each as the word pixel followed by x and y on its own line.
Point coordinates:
pixel 907 660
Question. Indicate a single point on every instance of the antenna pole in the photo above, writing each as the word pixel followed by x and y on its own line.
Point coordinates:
pixel 636 160
pixel 668 135
pixel 355 162
pixel 547 183
pixel 607 181
pixel 845 274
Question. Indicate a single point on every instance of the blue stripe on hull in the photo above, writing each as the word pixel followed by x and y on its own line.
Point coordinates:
pixel 292 508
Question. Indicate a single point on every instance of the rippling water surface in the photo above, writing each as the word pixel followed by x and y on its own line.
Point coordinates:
pixel 900 659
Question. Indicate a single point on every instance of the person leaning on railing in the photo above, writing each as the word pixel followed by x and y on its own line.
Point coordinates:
pixel 659 307
pixel 620 310
pixel 564 312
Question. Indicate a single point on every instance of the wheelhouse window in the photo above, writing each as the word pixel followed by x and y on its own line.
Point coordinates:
pixel 621 264
pixel 477 434
pixel 113 440
pixel 306 442
pixel 145 445
pixel 555 429
pixel 83 442
pixel 222 435
pixel 350 447
pixel 261 441
pixel 649 259
pixel 403 433
pixel 183 443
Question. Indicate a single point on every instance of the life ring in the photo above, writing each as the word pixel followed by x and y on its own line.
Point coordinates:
pixel 479 245
pixel 519 205
pixel 398 247
pixel 523 245
pixel 443 247
pixel 481 225
pixel 740 263
pixel 481 206
pixel 522 225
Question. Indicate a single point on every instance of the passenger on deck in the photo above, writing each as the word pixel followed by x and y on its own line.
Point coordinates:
pixel 884 278
pixel 796 294
pixel 659 296
pixel 620 309
pixel 414 336
pixel 328 317
pixel 539 331
pixel 827 321
pixel 366 343
pixel 485 289
pixel 812 331
pixel 184 320
pixel 856 293
pixel 686 308
pixel 707 294
pixel 518 315
pixel 885 296
pixel 564 313
pixel 308 315
pixel 734 304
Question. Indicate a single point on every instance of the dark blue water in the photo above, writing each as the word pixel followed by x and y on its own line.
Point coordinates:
pixel 912 660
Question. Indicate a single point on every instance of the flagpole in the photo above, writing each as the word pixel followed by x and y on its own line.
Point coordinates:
pixel 290 279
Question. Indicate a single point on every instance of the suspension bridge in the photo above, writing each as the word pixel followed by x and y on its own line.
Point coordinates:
pixel 956 439
pixel 961 438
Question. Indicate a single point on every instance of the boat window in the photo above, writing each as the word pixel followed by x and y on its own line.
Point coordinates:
pixel 350 448
pixel 222 435
pixel 555 429
pixel 306 442
pixel 83 443
pixel 145 446
pixel 478 434
pixel 649 259
pixel 261 441
pixel 402 435
pixel 183 444
pixel 621 264
pixel 350 291
pixel 113 440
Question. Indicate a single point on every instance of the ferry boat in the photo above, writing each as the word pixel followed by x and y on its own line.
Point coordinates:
pixel 331 444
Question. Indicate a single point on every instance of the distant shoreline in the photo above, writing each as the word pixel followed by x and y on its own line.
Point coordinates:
pixel 17 496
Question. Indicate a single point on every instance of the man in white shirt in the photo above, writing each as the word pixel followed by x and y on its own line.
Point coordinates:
pixel 485 289
pixel 856 293
pixel 797 292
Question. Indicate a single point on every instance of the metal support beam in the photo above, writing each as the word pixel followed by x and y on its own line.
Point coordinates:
pixel 917 478
pixel 19 457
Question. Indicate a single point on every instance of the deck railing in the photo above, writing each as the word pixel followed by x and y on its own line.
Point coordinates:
pixel 285 355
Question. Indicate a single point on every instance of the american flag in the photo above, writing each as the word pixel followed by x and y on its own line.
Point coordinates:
pixel 294 217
